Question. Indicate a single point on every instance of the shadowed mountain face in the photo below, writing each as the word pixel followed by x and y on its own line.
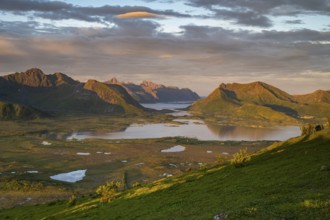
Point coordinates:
pixel 261 101
pixel 10 111
pixel 58 93
pixel 149 92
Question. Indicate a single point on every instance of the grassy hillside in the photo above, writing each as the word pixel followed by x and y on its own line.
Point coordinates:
pixel 288 180
pixel 318 96
pixel 260 103
pixel 9 111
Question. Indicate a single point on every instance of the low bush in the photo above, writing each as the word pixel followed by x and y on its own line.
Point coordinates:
pixel 72 200
pixel 109 191
pixel 240 158
pixel 136 184
pixel 221 159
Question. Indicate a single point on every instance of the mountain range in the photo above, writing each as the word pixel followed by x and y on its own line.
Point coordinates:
pixel 150 92
pixel 261 101
pixel 34 93
pixel 58 94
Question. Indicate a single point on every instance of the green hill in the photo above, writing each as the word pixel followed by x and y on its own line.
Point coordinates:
pixel 10 111
pixel 288 180
pixel 259 101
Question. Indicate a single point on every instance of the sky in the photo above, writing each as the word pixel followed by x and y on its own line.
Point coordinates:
pixel 197 44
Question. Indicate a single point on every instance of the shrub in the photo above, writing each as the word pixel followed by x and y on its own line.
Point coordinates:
pixel 221 159
pixel 136 184
pixel 240 158
pixel 311 129
pixel 72 200
pixel 20 185
pixel 109 191
pixel 307 129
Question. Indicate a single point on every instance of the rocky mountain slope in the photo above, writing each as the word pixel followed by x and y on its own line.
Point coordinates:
pixel 59 94
pixel 149 92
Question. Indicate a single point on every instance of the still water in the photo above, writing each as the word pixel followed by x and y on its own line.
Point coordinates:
pixel 191 129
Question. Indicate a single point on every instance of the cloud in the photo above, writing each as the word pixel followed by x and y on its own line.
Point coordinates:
pixel 58 10
pixel 138 14
pixel 257 12
pixel 8 47
pixel 249 18
pixel 294 21
pixel 136 47
pixel 166 56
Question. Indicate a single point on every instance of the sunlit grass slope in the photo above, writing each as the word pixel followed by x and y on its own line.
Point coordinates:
pixel 283 182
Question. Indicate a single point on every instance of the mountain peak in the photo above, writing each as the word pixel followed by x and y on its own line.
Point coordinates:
pixel 61 78
pixel 151 85
pixel 34 71
pixel 113 80
pixel 32 77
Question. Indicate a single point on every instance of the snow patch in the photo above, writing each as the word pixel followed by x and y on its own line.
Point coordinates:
pixel 83 153
pixel 167 175
pixel 32 171
pixel 177 148
pixel 107 153
pixel 46 143
pixel 70 177
pixel 209 152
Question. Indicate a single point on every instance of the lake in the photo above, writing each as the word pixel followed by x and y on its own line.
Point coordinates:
pixel 191 129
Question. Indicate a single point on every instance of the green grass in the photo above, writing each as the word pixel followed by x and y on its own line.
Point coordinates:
pixel 282 182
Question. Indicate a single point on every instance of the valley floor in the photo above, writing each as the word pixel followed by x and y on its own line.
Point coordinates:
pixel 288 180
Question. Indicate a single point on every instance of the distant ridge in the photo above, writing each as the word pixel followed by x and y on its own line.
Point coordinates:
pixel 318 96
pixel 150 92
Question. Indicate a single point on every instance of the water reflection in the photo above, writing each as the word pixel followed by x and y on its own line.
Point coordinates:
pixel 167 105
pixel 174 106
pixel 250 133
pixel 193 129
